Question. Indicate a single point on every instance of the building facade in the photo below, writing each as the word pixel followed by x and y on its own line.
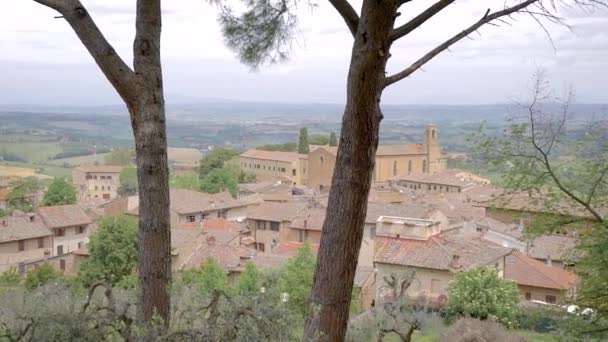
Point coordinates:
pixel 70 226
pixel 275 164
pixel 97 181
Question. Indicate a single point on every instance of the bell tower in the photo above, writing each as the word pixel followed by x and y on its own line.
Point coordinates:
pixel 433 150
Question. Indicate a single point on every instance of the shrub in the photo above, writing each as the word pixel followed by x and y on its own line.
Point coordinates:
pixel 470 329
pixel 41 275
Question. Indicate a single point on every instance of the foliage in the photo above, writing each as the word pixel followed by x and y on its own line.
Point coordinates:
pixel 592 269
pixel 246 177
pixel 215 159
pixel 249 280
pixel 286 147
pixel 21 191
pixel 481 294
pixel 318 139
pixel 112 251
pixel 297 277
pixel 128 181
pixel 208 277
pixel 60 192
pixel 41 275
pixel 469 329
pixel 219 180
pixel 303 145
pixel 191 182
pixel 10 278
pixel 119 157
pixel 333 140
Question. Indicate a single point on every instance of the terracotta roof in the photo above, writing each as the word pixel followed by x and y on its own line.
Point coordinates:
pixel 185 201
pixel 397 150
pixel 288 249
pixel 14 228
pixel 4 193
pixel 310 219
pixel 63 216
pixel 100 168
pixel 274 211
pixel 266 261
pixel 331 149
pixel 287 157
pixel 538 203
pixel 559 247
pixel 489 223
pixel 229 257
pixel 180 237
pixel 438 252
pixel 527 271
pixel 451 177
pixel 375 210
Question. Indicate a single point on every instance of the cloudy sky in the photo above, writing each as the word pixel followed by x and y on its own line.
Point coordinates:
pixel 42 61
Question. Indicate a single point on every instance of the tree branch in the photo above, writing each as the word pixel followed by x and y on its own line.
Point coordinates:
pixel 413 24
pixel 348 13
pixel 445 45
pixel 113 67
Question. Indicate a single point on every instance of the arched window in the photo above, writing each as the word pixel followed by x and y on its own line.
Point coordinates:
pixel 433 134
pixel 409 167
pixel 394 168
pixel 424 166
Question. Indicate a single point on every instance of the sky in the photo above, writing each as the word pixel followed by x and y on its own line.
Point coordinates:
pixel 43 63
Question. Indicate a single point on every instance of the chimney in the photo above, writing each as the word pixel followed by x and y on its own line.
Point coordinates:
pixel 455 261
pixel 548 260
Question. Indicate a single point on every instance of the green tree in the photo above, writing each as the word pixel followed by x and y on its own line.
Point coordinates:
pixel 60 192
pixel 303 146
pixel 296 278
pixel 128 181
pixel 333 140
pixel 215 159
pixel 219 180
pixel 10 278
pixel 481 293
pixel 191 182
pixel 286 147
pixel 41 276
pixel 112 251
pixel 249 281
pixel 21 191
pixel 121 157
pixel 208 277
pixel 318 139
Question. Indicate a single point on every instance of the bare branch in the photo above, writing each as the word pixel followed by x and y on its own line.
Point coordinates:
pixel 420 19
pixel 430 55
pixel 113 67
pixel 348 13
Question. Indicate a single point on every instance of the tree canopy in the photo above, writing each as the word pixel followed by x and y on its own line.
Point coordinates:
pixel 112 251
pixel 60 192
pixel 219 180
pixel 128 181
pixel 296 278
pixel 303 145
pixel 208 277
pixel 481 293
pixel 21 190
pixel 333 140
pixel 249 280
pixel 215 159
pixel 41 275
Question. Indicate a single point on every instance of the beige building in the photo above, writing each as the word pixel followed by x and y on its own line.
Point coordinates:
pixel 391 161
pixel 270 223
pixel 96 181
pixel 70 226
pixel 272 164
pixel 450 180
pixel 23 238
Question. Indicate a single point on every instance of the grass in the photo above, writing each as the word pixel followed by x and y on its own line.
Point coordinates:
pixel 82 160
pixel 536 336
pixel 32 151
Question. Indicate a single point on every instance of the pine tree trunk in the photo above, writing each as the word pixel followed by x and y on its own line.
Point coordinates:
pixel 343 228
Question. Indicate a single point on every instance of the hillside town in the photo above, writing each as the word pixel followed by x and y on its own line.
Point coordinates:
pixel 421 216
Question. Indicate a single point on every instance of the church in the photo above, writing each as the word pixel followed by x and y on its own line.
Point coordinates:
pixel 391 161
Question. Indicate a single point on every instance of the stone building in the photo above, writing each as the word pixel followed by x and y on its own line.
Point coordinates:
pixel 23 238
pixel 96 181
pixel 70 225
pixel 271 164
pixel 391 161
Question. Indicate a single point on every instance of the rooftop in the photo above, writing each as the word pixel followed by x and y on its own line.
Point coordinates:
pixel 287 157
pixel 450 177
pixel 376 210
pixel 14 228
pixel 275 211
pixel 397 150
pixel 527 271
pixel 64 216
pixel 310 219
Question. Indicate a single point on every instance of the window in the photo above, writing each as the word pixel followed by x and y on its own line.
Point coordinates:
pixel 89 177
pixel 103 187
pixel 21 246
pixel 283 169
pixel 274 226
pixel 300 236
pixel 80 230
pixel 424 166
pixel 429 186
pixel 62 265
pixel 191 218
pixel 60 232
pixel 94 177
pixel 102 177
pixel 260 225
pixel 293 172
pixel 222 214
pixel 409 166
pixel 528 296
pixel 304 171
pixel 79 245
pixel 60 250
pixel 96 188
pixel 321 159
pixel 550 299
pixel 108 187
pixel 260 247
pixel 395 168
pixel 40 242
pixel 109 177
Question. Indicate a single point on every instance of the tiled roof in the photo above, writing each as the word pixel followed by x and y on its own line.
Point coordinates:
pixel 100 168
pixel 559 247
pixel 397 150
pixel 185 201
pixel 180 237
pixel 290 248
pixel 63 216
pixel 375 210
pixel 527 271
pixel 4 193
pixel 500 227
pixel 310 219
pixel 288 157
pixel 229 257
pixel 539 203
pixel 331 149
pixel 438 252
pixel 274 211
pixel 14 228
pixel 452 177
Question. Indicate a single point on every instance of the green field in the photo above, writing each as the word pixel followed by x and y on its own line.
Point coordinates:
pixel 32 151
pixel 76 161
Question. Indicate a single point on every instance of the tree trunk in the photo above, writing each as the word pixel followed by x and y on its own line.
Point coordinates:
pixel 343 228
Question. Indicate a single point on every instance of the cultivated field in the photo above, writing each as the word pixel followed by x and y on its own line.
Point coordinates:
pixel 82 160
pixel 184 155
pixel 6 171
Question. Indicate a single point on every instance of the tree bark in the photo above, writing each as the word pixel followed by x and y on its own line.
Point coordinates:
pixel 343 228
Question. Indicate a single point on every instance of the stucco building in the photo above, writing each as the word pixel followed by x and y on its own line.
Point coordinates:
pixel 391 161
pixel 70 226
pixel 96 181
pixel 23 238
pixel 272 164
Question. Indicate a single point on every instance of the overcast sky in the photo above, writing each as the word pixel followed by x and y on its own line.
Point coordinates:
pixel 42 61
